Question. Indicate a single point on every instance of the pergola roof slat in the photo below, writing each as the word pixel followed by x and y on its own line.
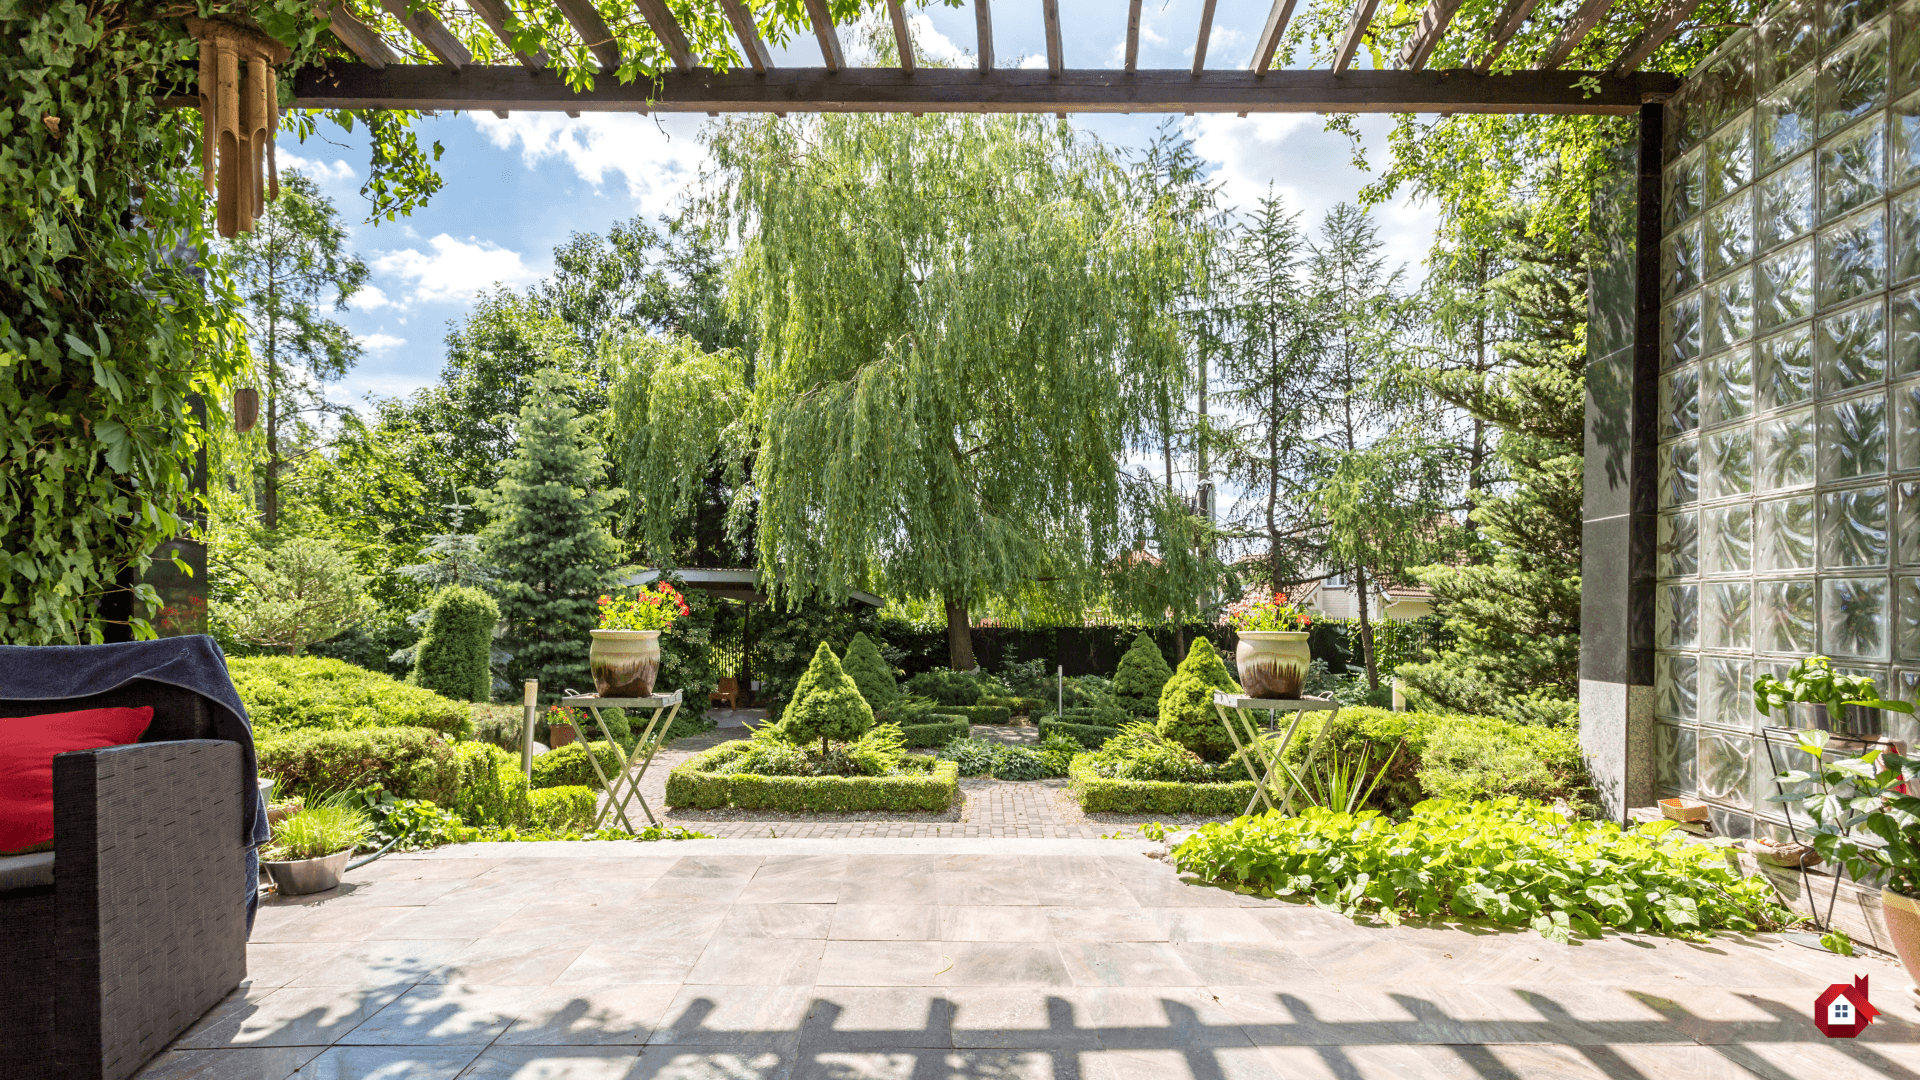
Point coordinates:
pixel 823 31
pixel 494 13
pixel 359 38
pixel 1427 33
pixel 1200 42
pixel 983 24
pixel 1050 15
pixel 593 30
pixel 429 31
pixel 1509 25
pixel 740 17
pixel 1269 41
pixel 1133 35
pixel 1656 34
pixel 902 36
pixel 667 30
pixel 1356 29
pixel 1577 28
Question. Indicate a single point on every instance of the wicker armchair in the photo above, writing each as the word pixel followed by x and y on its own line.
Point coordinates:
pixel 143 928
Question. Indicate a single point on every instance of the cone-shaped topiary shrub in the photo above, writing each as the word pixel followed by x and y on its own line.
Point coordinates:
pixel 870 672
pixel 1186 703
pixel 826 705
pixel 453 653
pixel 1143 672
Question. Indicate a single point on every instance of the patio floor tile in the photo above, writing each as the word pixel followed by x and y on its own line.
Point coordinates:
pixel 268 1063
pixel 1244 1062
pixel 940 1064
pixel 884 922
pixel 382 963
pixel 1126 963
pixel 389 1063
pixel 467 922
pixel 295 1016
pixel 440 1014
pixel 339 921
pixel 1002 963
pixel 1103 924
pixel 976 923
pixel 553 1063
pixel 1208 924
pixel 710 1063
pixel 1159 1017
pixel 746 920
pixel 530 958
pixel 644 961
pixel 1020 1018
pixel 880 963
pixel 764 961
pixel 590 1015
pixel 878 1017
pixel 796 880
pixel 754 1017
pixel 1232 963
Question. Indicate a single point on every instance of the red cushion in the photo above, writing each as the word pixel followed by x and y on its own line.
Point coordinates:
pixel 27 747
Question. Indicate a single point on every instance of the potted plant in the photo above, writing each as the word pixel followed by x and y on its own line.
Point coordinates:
pixel 562 726
pixel 1854 801
pixel 1272 655
pixel 1813 682
pixel 309 848
pixel 625 657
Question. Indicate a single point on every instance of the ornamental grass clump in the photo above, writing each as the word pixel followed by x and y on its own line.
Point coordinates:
pixel 1510 861
pixel 319 831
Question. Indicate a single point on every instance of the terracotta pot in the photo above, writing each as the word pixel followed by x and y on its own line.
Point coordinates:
pixel 298 876
pixel 559 735
pixel 624 662
pixel 1273 663
pixel 1902 915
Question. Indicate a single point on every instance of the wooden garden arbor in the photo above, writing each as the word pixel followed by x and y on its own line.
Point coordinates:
pixel 430 68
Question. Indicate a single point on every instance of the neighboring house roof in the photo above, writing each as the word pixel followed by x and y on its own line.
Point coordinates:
pixel 741 585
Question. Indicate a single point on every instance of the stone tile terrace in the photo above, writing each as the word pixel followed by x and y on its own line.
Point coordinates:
pixel 990 959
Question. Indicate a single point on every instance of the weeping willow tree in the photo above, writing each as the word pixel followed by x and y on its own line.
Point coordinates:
pixel 958 318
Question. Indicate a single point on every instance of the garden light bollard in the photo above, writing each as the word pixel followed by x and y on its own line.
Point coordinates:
pixel 1060 691
pixel 526 737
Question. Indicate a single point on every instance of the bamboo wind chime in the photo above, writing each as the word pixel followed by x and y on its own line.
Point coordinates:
pixel 239 114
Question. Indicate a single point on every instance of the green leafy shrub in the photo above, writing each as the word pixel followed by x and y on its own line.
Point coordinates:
pixel 452 658
pixel 569 767
pixel 1512 861
pixel 973 757
pixel 938 733
pixel 498 725
pixel 826 704
pixel 947 687
pixel 1020 763
pixel 983 757
pixel 1106 794
pixel 492 789
pixel 700 782
pixel 979 714
pixel 1187 715
pixel 1143 671
pixel 1138 752
pixel 870 672
pixel 1058 752
pixel 1090 736
pixel 285 693
pixel 409 762
pixel 771 753
pixel 561 808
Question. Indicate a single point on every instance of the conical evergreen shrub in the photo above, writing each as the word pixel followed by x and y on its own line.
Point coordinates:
pixel 1143 672
pixel 826 705
pixel 870 672
pixel 453 653
pixel 1187 716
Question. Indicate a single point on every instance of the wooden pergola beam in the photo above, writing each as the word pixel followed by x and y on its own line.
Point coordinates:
pixel 494 13
pixel 359 38
pixel 593 30
pixel 431 33
pixel 1133 35
pixel 1576 30
pixel 666 29
pixel 1012 90
pixel 1655 35
pixel 823 32
pixel 1509 25
pixel 902 36
pixel 983 27
pixel 1056 55
pixel 740 17
pixel 1269 40
pixel 1200 42
pixel 1427 33
pixel 1356 29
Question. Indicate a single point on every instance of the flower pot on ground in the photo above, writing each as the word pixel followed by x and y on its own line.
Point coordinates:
pixel 625 656
pixel 1272 655
pixel 309 849
pixel 1902 915
pixel 561 735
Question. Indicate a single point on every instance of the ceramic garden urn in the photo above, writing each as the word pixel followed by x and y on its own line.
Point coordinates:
pixel 1902 913
pixel 1273 663
pixel 624 662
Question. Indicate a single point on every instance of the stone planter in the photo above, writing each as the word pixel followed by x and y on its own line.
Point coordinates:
pixel 1902 914
pixel 624 662
pixel 1273 663
pixel 298 876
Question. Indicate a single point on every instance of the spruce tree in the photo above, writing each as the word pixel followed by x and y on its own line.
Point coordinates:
pixel 1515 615
pixel 826 704
pixel 1187 715
pixel 1143 672
pixel 870 672
pixel 452 656
pixel 548 537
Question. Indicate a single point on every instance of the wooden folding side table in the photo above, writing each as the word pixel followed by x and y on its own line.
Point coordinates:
pixel 663 705
pixel 1236 712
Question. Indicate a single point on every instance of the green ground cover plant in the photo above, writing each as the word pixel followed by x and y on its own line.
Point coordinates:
pixel 1511 861
pixel 705 782
pixel 984 757
pixel 284 693
pixel 409 762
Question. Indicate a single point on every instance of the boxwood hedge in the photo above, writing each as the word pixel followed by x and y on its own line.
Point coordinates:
pixel 569 767
pixel 1091 736
pixel 1100 794
pixel 927 785
pixel 409 762
pixel 980 714
pixel 285 693
pixel 561 808
pixel 939 733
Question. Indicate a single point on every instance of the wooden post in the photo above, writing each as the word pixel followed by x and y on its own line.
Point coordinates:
pixel 526 742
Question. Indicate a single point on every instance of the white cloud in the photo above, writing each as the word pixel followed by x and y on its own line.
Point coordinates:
pixel 378 343
pixel 321 171
pixel 369 298
pixel 659 158
pixel 1034 60
pixel 934 44
pixel 455 269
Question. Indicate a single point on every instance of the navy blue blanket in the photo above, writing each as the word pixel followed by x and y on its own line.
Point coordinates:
pixel 53 672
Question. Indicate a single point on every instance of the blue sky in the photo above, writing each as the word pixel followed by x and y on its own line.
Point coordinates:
pixel 518 187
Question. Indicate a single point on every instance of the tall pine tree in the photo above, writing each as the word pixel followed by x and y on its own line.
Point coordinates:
pixel 1516 615
pixel 548 536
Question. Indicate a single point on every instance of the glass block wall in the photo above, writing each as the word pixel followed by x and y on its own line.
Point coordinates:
pixel 1788 470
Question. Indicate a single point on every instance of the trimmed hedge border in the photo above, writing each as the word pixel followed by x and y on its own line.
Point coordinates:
pixel 1091 736
pixel 939 733
pixel 1098 794
pixel 691 785
pixel 979 714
